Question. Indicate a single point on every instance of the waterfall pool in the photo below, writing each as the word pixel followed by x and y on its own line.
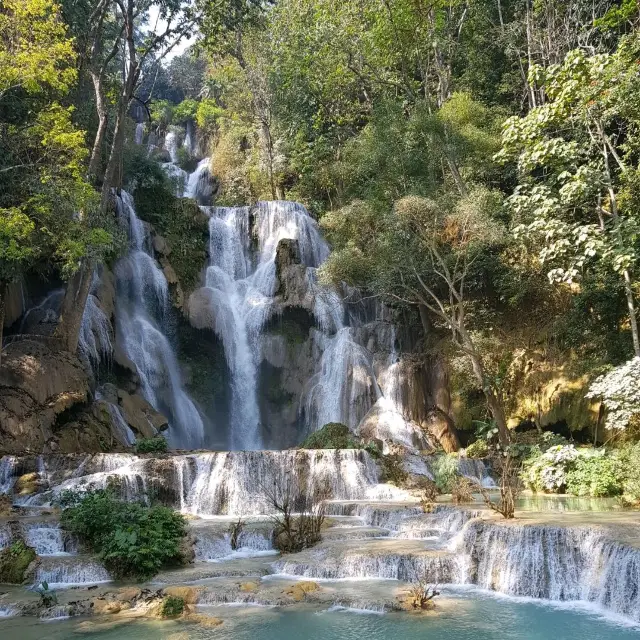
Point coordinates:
pixel 467 615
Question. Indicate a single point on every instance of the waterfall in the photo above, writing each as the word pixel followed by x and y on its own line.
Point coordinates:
pixel 208 484
pixel 48 539
pixel 556 563
pixel 345 387
pixel 239 293
pixel 142 309
pixel 198 184
pixel 95 333
pixel 171 145
pixel 139 134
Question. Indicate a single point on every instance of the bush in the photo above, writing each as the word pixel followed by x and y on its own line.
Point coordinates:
pixel 333 435
pixel 14 562
pixel 132 539
pixel 548 471
pixel 596 475
pixel 172 607
pixel 151 445
pixel 478 449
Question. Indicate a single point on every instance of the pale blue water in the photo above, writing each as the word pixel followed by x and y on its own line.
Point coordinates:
pixel 466 616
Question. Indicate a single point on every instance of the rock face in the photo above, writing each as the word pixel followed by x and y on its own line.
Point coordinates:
pixel 37 384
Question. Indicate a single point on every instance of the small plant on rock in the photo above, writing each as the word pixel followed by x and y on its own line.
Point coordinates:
pixel 151 445
pixel 235 531
pixel 48 597
pixel 429 495
pixel 299 515
pixel 172 607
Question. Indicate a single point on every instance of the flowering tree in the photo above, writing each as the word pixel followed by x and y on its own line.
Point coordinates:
pixel 620 391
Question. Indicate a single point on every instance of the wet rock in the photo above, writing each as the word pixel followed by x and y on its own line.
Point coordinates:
pixel 27 484
pixel 140 415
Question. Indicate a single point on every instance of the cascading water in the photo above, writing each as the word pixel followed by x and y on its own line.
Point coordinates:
pixel 142 308
pixel 239 298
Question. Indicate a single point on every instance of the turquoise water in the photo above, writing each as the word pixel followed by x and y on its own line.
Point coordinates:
pixel 466 616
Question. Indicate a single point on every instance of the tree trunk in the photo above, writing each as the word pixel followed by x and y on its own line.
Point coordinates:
pixel 94 171
pixel 633 319
pixel 493 402
pixel 441 424
pixel 73 305
pixel 3 297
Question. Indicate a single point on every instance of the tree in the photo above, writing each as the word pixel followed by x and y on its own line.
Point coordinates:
pixel 47 210
pixel 577 187
pixel 129 18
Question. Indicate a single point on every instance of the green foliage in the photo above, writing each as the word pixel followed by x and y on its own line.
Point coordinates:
pixel 151 445
pixel 331 436
pixel 47 209
pixel 597 475
pixel 14 561
pixel 133 540
pixel 172 607
pixel 478 449
pixel 628 457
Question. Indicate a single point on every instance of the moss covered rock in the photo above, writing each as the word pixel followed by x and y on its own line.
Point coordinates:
pixel 14 562
pixel 333 435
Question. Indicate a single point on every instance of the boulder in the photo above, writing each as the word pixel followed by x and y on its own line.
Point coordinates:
pixel 299 590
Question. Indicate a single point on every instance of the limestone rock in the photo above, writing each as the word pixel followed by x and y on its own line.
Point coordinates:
pixel 106 292
pixel 249 587
pixel 37 384
pixel 140 415
pixel 209 622
pixel 170 274
pixel 299 590
pixel 160 245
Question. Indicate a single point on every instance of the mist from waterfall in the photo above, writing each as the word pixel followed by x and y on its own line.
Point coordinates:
pixel 141 318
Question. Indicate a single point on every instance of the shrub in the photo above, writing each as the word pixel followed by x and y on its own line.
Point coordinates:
pixel 151 445
pixel 478 449
pixel 629 459
pixel 596 475
pixel 333 435
pixel 14 562
pixel 132 539
pixel 172 607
